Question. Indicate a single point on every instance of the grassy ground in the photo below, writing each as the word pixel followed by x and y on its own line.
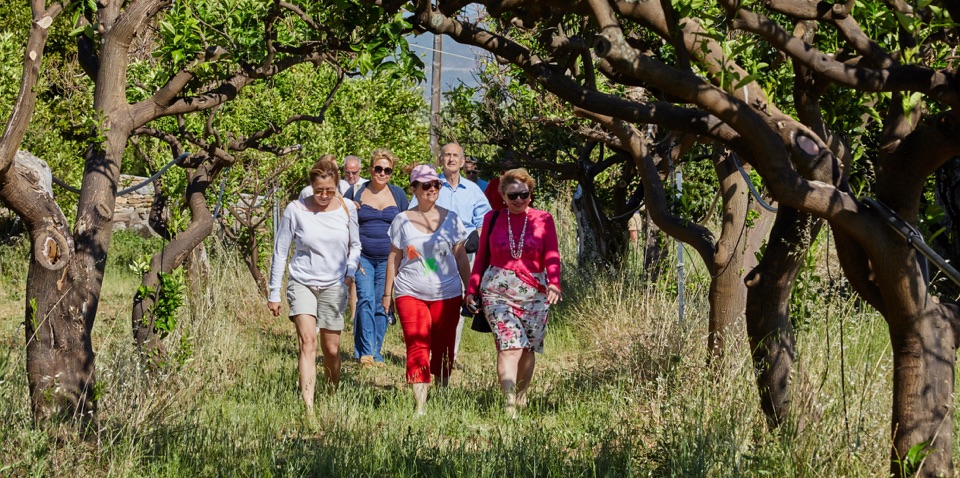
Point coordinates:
pixel 622 390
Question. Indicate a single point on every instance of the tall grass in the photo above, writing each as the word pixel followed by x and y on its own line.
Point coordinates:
pixel 622 390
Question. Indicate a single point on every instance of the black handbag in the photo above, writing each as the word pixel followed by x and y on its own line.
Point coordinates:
pixel 480 323
pixel 472 243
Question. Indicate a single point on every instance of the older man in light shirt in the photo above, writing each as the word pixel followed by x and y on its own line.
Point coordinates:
pixel 462 196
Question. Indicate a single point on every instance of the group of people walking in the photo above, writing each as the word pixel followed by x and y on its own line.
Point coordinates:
pixel 409 259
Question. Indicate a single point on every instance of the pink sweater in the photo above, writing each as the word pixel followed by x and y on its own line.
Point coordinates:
pixel 540 249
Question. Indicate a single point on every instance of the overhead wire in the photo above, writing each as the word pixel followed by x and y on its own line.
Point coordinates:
pixel 122 192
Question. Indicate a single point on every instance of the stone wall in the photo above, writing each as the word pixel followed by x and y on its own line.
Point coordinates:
pixel 132 210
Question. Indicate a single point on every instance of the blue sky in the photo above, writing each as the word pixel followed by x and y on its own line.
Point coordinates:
pixel 459 61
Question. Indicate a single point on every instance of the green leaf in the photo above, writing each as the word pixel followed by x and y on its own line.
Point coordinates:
pixel 746 81
pixel 905 21
pixel 911 102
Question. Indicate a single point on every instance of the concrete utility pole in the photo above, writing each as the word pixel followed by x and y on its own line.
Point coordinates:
pixel 435 96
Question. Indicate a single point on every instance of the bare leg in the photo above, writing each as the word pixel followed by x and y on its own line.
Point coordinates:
pixel 420 396
pixel 307 361
pixel 352 303
pixel 330 343
pixel 524 375
pixel 507 364
pixel 456 344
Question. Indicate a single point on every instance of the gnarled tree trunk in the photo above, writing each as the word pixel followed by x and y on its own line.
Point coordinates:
pixel 62 304
pixel 171 257
pixel 599 242
pixel 727 293
pixel 769 327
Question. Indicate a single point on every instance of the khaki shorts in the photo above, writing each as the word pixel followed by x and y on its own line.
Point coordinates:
pixel 327 305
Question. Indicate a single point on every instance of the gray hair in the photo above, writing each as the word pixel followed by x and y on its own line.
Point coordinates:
pixel 350 157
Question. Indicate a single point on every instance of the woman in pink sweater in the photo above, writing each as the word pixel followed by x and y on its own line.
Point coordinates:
pixel 518 277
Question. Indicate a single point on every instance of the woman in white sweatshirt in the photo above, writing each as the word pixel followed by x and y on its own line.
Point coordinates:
pixel 324 233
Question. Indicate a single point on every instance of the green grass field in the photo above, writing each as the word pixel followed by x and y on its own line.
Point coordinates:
pixel 622 390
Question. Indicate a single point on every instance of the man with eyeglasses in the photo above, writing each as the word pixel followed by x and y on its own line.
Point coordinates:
pixel 351 174
pixel 462 196
pixel 471 172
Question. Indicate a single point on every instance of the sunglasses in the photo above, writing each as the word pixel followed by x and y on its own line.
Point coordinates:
pixel 380 169
pixel 471 173
pixel 521 195
pixel 431 185
pixel 347 172
pixel 322 192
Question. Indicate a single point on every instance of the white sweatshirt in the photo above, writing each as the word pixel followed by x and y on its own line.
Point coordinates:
pixel 326 246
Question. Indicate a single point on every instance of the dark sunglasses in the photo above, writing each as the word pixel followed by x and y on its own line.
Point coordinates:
pixel 381 169
pixel 471 173
pixel 521 195
pixel 431 185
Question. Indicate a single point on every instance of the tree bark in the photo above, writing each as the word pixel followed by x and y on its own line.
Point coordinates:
pixel 771 333
pixel 655 251
pixel 924 355
pixel 251 258
pixel 601 242
pixel 172 256
pixel 62 305
pixel 727 294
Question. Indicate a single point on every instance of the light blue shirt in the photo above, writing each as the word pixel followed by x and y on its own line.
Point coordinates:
pixel 467 200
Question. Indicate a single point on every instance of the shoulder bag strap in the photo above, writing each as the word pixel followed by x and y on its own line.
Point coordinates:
pixel 343 204
pixel 493 221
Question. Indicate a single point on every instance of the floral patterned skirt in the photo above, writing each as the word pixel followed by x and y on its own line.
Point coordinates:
pixel 516 310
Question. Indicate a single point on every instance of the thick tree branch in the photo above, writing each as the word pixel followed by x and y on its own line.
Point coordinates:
pixel 939 84
pixel 23 107
pixel 167 105
pixel 655 197
pixel 668 115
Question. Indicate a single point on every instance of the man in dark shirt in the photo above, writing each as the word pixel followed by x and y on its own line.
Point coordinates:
pixel 493 188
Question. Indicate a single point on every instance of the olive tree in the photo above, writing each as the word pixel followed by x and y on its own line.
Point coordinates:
pixel 205 55
pixel 709 65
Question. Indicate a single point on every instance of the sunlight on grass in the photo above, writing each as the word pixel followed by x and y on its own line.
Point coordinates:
pixel 622 390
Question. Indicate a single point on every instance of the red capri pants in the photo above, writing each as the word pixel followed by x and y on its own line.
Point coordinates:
pixel 429 331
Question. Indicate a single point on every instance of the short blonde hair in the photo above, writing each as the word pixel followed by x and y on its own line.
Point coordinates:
pixel 325 167
pixel 382 153
pixel 519 175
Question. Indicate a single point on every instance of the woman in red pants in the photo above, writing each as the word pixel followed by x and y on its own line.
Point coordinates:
pixel 427 269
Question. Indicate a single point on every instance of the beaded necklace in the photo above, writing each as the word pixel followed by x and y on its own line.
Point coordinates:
pixel 516 250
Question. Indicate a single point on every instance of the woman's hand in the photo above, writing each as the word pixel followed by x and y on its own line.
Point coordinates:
pixel 387 304
pixel 471 302
pixel 348 281
pixel 274 307
pixel 553 294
